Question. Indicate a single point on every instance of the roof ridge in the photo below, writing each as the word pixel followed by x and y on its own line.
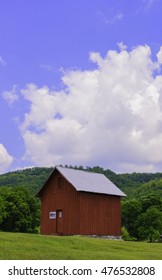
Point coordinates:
pixel 82 170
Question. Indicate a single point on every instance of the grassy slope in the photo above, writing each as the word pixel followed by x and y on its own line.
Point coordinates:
pixel 36 247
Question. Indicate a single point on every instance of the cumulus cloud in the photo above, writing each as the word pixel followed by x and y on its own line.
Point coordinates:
pixel 10 96
pixel 109 116
pixel 5 159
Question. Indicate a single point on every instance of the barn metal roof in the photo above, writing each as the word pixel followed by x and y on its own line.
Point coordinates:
pixel 89 181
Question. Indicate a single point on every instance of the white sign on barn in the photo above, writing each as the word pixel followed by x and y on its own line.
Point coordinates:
pixel 52 215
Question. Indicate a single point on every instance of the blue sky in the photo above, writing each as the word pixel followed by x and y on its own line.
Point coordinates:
pixel 81 84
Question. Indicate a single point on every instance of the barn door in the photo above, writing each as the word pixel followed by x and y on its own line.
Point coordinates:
pixel 59 222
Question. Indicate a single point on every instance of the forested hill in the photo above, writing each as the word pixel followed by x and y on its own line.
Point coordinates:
pixel 133 185
pixel 32 178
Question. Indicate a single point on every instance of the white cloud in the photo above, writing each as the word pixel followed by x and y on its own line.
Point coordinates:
pixel 159 56
pixel 5 159
pixel 2 61
pixel 10 96
pixel 109 116
pixel 122 46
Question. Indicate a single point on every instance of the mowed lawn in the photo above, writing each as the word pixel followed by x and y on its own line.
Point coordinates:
pixel 19 246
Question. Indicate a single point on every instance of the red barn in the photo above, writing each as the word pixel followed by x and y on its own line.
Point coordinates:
pixel 75 202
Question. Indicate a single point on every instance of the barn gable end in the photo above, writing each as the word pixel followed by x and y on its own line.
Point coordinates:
pixel 75 202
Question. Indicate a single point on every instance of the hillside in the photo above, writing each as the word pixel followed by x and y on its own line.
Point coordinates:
pixel 133 185
pixel 40 247
pixel 32 178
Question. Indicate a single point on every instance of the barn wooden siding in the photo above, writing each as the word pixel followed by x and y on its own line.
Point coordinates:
pixel 82 213
pixel 64 198
pixel 100 214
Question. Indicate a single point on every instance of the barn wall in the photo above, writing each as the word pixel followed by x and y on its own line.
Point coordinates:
pixel 64 198
pixel 100 214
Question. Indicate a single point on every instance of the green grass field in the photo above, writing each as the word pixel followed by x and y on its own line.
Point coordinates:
pixel 19 246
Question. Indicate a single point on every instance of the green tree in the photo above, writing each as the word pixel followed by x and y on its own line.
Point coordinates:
pixel 150 200
pixel 131 209
pixel 149 224
pixel 20 210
